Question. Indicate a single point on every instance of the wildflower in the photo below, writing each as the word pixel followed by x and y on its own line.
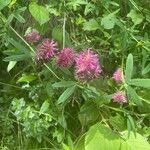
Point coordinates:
pixel 119 97
pixel 117 76
pixel 46 49
pixel 87 65
pixel 66 57
pixel 33 37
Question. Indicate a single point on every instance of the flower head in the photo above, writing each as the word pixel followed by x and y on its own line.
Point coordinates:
pixel 119 97
pixel 33 37
pixel 87 65
pixel 66 57
pixel 46 49
pixel 117 76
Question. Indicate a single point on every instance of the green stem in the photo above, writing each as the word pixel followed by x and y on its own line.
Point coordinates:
pixel 64 26
pixel 6 84
pixel 22 39
pixel 51 71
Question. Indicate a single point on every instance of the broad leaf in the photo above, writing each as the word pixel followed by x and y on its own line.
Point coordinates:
pixel 88 113
pixel 133 142
pixel 91 25
pixel 108 22
pixel 129 68
pixel 40 13
pixel 66 94
pixel 100 137
pixel 44 107
pixel 140 82
pixel 137 18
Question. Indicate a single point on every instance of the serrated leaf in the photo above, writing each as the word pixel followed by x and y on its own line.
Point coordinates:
pixel 118 122
pixel 44 107
pixel 132 93
pixel 40 13
pixel 66 94
pixel 27 78
pixel 11 65
pixel 4 3
pixel 100 137
pixel 133 142
pixel 91 25
pixel 129 68
pixel 140 82
pixel 63 84
pixel 137 18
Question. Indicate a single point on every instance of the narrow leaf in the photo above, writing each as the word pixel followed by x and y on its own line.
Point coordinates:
pixel 66 94
pixel 27 78
pixel 132 93
pixel 16 57
pixel 140 82
pixel 4 3
pixel 11 65
pixel 63 84
pixel 129 68
pixel 146 69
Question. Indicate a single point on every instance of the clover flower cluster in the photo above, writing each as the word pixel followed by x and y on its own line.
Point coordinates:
pixel 86 62
pixel 119 96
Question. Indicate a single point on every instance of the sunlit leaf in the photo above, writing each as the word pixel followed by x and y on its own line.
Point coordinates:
pixel 40 13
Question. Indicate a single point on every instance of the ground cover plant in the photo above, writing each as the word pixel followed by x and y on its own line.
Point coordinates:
pixel 75 75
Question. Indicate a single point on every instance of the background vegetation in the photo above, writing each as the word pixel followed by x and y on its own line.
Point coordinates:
pixel 43 106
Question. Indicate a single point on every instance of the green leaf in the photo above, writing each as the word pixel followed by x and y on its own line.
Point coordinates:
pixel 146 69
pixel 129 68
pixel 57 35
pixel 19 18
pixel 11 65
pixel 132 93
pixel 27 78
pixel 16 57
pixel 91 25
pixel 66 94
pixel 133 142
pixel 65 147
pixel 100 137
pixel 80 145
pixel 88 113
pixel 131 122
pixel 140 82
pixel 63 84
pixel 4 3
pixel 40 13
pixel 108 22
pixel 118 122
pixel 19 46
pixel 137 18
pixel 44 107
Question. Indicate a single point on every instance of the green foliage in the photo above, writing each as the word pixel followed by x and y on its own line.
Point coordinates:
pixel 40 13
pixel 44 106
